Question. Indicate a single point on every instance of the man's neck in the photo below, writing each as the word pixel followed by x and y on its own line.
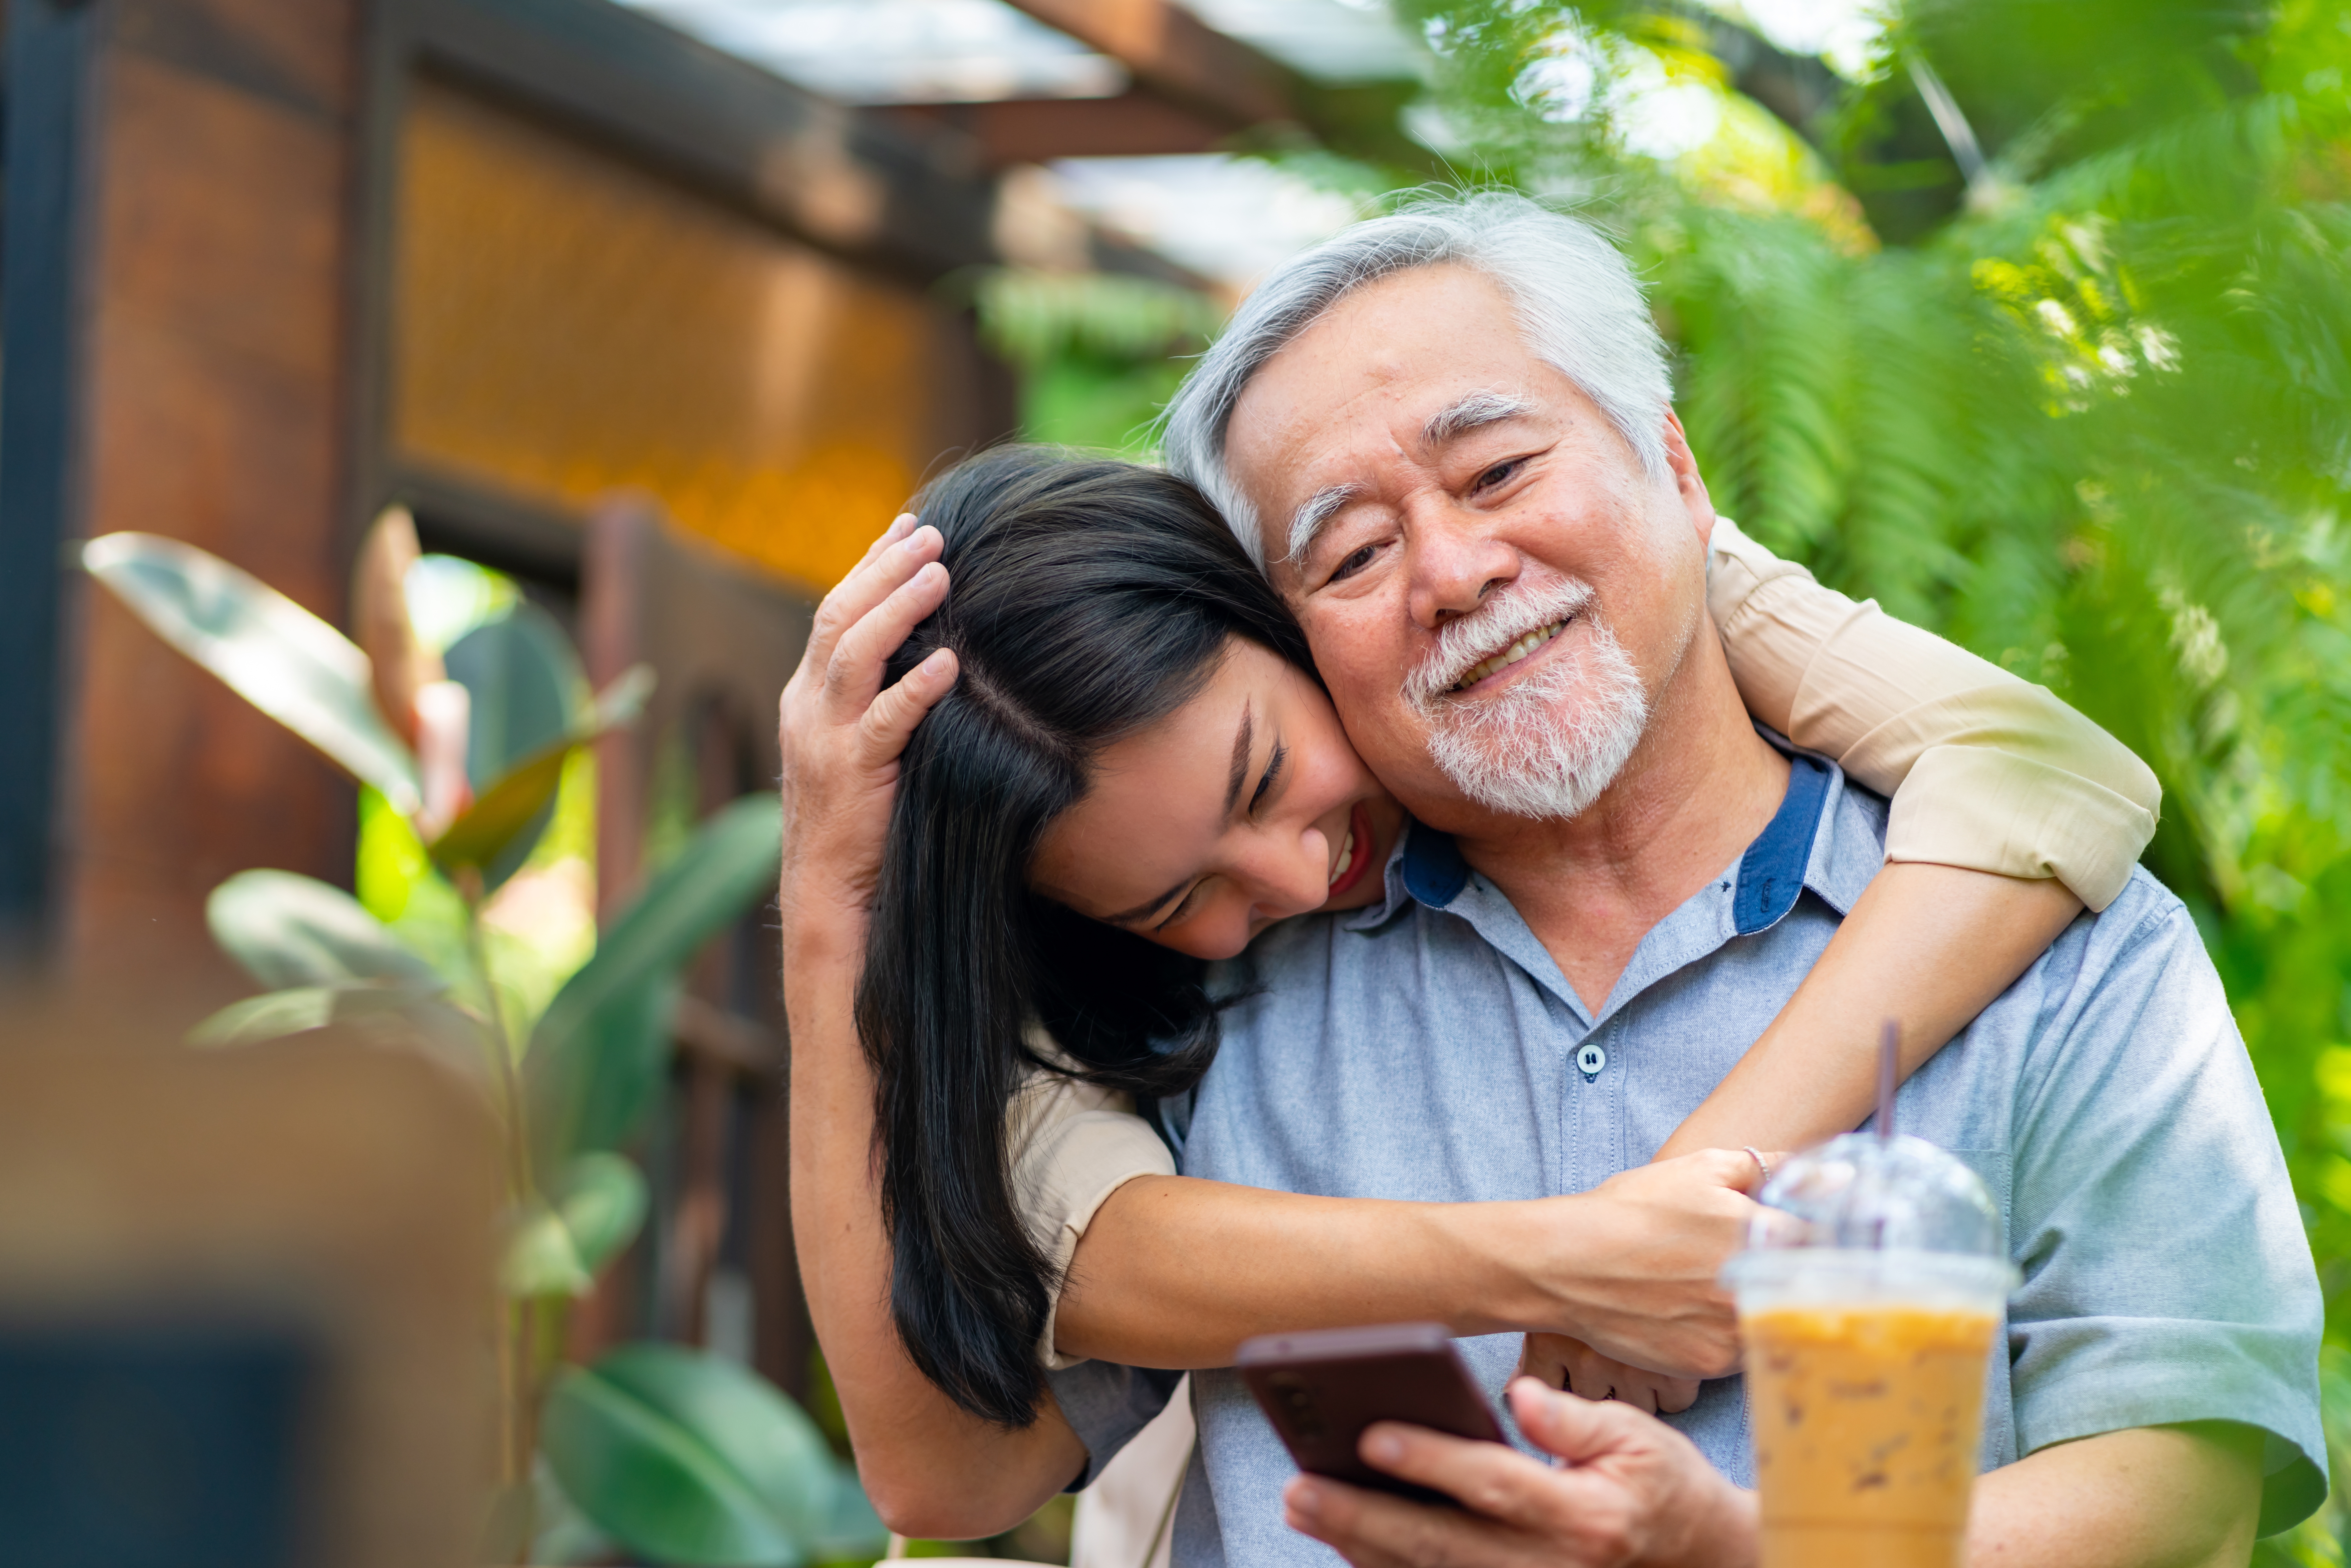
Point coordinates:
pixel 1697 792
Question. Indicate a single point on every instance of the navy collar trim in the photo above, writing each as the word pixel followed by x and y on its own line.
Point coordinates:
pixel 1771 871
pixel 1433 871
pixel 1770 874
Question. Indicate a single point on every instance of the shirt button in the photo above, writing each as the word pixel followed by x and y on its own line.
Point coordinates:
pixel 1590 1060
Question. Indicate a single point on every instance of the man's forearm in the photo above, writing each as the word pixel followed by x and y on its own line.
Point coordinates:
pixel 2153 1497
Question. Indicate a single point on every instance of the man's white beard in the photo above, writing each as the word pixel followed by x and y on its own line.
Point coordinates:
pixel 1550 742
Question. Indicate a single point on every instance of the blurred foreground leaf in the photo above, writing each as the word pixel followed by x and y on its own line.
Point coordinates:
pixel 851 1530
pixel 270 651
pixel 376 1015
pixel 689 1458
pixel 287 930
pixel 557 1245
pixel 603 1202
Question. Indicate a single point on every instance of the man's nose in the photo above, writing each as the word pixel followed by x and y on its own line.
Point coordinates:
pixel 1451 565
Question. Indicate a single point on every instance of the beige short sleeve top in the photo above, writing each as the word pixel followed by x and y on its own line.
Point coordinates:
pixel 1073 1146
pixel 1986 771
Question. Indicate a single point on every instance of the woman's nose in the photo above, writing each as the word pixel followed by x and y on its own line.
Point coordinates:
pixel 1293 877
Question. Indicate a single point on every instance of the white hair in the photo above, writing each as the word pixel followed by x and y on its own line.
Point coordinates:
pixel 1577 301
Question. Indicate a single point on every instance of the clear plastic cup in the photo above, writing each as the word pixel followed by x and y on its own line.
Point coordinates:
pixel 1869 1297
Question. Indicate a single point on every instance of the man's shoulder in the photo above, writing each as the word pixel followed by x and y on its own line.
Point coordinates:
pixel 2147 921
pixel 2127 984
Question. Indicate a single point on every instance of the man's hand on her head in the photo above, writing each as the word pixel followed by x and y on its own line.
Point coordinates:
pixel 840 728
pixel 1634 1494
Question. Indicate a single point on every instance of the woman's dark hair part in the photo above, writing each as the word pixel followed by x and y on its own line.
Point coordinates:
pixel 1088 600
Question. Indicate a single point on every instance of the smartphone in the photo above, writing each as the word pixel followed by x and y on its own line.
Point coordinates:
pixel 1322 1389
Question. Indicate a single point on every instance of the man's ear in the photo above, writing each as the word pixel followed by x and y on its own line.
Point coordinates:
pixel 1688 485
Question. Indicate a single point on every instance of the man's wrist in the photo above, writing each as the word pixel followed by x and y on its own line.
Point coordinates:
pixel 1725 1531
pixel 819 928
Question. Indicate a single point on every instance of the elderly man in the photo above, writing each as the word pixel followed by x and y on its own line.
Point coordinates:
pixel 1448 435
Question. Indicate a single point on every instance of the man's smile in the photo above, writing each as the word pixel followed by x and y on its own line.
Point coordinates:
pixel 1519 649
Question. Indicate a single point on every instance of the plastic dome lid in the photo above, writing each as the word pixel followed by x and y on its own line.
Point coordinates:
pixel 1867 1193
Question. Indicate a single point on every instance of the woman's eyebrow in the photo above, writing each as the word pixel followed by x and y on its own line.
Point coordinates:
pixel 1241 739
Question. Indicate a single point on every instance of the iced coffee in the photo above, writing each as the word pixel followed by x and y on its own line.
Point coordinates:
pixel 1870 1304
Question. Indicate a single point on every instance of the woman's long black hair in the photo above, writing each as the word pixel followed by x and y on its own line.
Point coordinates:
pixel 1088 600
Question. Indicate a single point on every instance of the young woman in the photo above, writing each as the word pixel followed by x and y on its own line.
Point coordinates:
pixel 975 785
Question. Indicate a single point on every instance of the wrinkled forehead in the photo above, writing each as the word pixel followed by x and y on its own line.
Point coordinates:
pixel 1370 382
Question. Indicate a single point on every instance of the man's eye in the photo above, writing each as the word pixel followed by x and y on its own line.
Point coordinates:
pixel 1355 563
pixel 1498 474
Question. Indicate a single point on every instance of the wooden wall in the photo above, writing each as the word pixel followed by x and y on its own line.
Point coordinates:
pixel 212 408
pixel 201 229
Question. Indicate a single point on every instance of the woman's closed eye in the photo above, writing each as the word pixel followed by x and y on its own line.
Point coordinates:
pixel 1183 907
pixel 1265 785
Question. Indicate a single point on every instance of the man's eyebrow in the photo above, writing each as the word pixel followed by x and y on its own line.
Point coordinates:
pixel 1472 411
pixel 1319 510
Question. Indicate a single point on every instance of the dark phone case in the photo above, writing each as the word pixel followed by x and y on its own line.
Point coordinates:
pixel 1322 1389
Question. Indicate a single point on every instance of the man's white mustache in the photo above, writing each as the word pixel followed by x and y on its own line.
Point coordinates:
pixel 1488 629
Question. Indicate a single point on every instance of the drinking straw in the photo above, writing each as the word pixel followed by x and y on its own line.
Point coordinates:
pixel 1888 1044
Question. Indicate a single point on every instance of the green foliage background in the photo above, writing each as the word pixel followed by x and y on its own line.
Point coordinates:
pixel 2077 396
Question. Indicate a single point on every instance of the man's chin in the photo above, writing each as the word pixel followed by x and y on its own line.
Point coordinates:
pixel 1550 766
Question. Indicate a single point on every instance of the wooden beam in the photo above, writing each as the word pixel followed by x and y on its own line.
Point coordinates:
pixel 1176 56
pixel 1033 130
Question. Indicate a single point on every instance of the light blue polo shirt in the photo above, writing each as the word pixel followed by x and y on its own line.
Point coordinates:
pixel 1429 1049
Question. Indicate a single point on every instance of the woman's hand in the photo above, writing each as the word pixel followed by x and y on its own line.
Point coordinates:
pixel 1631 1270
pixel 842 735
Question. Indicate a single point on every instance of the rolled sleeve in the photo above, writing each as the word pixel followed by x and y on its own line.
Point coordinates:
pixel 1074 1146
pixel 1986 771
pixel 2167 1277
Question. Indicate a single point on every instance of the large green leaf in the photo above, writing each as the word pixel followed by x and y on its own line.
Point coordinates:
pixel 514 809
pixel 564 1533
pixel 377 1014
pixel 851 1530
pixel 288 930
pixel 689 1458
pixel 270 651
pixel 596 1056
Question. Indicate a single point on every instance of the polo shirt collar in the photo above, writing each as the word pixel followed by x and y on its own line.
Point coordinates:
pixel 1796 850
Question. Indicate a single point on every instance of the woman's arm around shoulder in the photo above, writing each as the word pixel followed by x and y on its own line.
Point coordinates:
pixel 1986 771
pixel 2010 812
